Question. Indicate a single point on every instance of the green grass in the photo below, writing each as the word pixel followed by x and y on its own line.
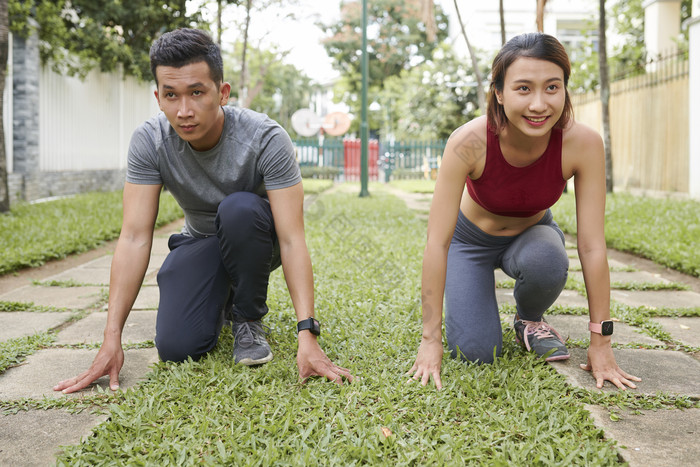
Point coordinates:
pixel 415 186
pixel 315 186
pixel 666 231
pixel 367 260
pixel 33 234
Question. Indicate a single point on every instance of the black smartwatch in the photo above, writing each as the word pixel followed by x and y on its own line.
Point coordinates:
pixel 311 324
pixel 604 328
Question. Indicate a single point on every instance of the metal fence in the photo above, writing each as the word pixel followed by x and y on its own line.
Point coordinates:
pixel 338 158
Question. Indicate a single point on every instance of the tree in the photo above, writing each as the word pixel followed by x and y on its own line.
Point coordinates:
pixel 540 15
pixel 398 38
pixel 605 96
pixel 277 89
pixel 4 34
pixel 429 100
pixel 475 63
pixel 79 35
pixel 502 16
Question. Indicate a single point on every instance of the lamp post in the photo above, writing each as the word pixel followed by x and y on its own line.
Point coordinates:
pixel 364 128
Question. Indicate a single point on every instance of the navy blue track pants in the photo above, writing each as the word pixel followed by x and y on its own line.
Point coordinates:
pixel 202 278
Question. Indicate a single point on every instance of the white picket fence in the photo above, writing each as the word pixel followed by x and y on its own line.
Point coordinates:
pixel 83 124
pixel 87 125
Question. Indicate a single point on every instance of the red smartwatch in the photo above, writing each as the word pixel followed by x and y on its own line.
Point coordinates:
pixel 604 328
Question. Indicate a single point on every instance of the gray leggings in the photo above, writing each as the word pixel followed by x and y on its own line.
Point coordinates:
pixel 536 259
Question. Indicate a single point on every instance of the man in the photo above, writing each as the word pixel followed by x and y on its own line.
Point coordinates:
pixel 234 173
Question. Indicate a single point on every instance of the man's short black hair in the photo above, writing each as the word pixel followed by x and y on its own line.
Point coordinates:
pixel 185 46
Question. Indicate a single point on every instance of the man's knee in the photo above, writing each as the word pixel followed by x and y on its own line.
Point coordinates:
pixel 179 347
pixel 242 209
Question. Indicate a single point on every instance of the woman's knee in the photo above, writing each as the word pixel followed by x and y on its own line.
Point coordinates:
pixel 482 348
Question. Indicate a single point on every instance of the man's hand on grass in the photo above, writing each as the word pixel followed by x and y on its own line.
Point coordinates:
pixel 312 361
pixel 109 361
pixel 601 363
pixel 428 363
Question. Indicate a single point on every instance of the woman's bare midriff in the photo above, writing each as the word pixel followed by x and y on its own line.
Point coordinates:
pixel 493 224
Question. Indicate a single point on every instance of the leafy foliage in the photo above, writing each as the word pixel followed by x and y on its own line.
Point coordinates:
pixel 35 233
pixel 430 100
pixel 277 89
pixel 79 35
pixel 397 40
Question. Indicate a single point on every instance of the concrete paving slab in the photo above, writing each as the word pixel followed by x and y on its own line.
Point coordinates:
pixel 576 327
pixel 103 262
pixel 18 324
pixel 629 277
pixel 659 438
pixel 34 437
pixel 40 372
pixel 156 262
pixel 151 278
pixel 615 264
pixel 566 298
pixel 75 298
pixel 661 371
pixel 160 246
pixel 92 276
pixel 657 298
pixel 686 330
pixel 147 299
pixel 140 326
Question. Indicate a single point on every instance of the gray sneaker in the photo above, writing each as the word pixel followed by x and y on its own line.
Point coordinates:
pixel 541 338
pixel 249 345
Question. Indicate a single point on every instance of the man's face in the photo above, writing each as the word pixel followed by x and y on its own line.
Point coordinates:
pixel 192 102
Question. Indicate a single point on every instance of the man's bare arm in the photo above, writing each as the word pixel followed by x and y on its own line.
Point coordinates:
pixel 128 269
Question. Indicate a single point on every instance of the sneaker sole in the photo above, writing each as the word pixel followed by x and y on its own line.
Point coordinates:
pixel 259 361
pixel 559 357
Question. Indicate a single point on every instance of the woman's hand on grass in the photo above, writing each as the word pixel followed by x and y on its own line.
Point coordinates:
pixel 312 361
pixel 109 361
pixel 428 363
pixel 601 363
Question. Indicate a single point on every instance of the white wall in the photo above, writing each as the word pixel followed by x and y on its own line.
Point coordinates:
pixel 87 125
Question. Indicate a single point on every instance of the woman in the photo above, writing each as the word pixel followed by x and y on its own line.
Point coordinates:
pixel 515 163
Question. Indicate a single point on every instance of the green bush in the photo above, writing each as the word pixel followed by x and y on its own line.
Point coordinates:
pixel 325 173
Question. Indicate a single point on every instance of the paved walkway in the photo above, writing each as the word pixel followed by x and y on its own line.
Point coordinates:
pixel 33 437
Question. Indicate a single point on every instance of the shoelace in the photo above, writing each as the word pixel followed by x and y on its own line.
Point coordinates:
pixel 244 333
pixel 541 330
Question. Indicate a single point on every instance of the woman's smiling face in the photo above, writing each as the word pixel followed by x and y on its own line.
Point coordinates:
pixel 533 95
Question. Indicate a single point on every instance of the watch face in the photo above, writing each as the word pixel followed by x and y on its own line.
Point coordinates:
pixel 606 328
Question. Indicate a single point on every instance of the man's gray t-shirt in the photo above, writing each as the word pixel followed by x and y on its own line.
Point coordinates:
pixel 254 154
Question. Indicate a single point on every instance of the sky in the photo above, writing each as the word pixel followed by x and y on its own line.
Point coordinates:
pixel 301 37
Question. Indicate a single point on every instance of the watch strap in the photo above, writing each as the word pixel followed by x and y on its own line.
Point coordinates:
pixel 309 324
pixel 604 328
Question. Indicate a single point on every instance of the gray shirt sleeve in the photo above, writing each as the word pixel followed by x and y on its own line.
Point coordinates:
pixel 277 162
pixel 142 161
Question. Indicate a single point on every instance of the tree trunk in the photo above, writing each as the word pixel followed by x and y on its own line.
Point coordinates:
pixel 428 16
pixel 502 14
pixel 605 98
pixel 540 15
pixel 219 7
pixel 4 39
pixel 243 88
pixel 477 73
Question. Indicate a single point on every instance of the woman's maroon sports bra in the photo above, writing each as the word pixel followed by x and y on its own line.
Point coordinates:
pixel 511 191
